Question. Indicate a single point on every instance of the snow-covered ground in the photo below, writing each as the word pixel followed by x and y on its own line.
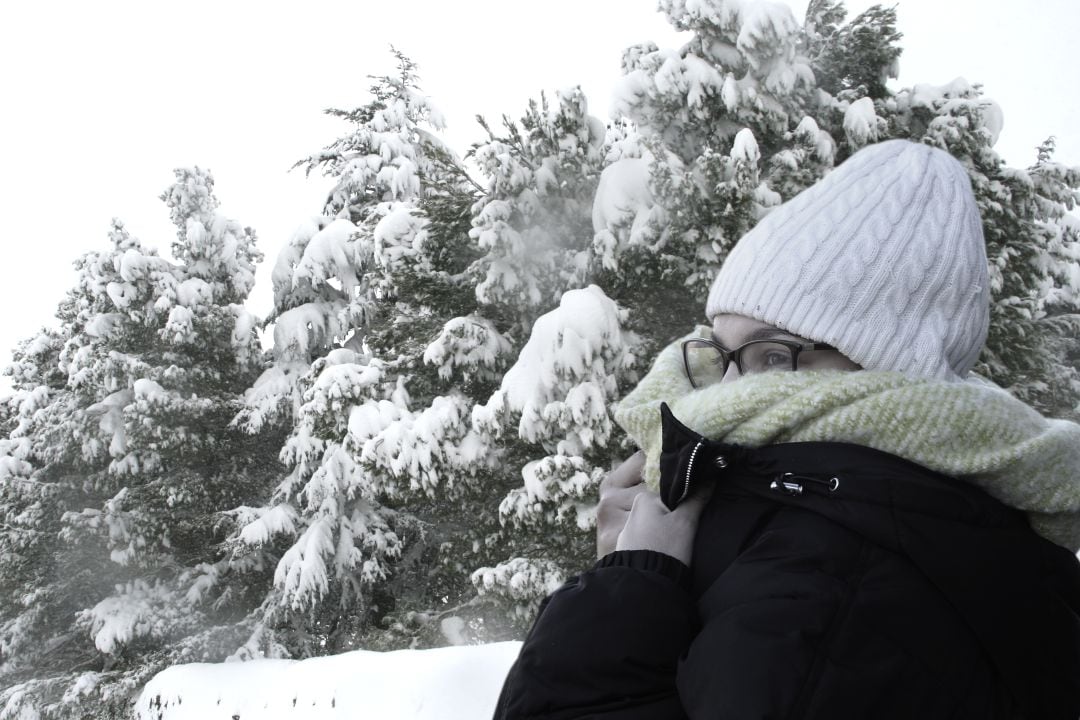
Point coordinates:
pixel 451 683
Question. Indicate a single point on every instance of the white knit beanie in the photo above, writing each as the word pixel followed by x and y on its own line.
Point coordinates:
pixel 884 259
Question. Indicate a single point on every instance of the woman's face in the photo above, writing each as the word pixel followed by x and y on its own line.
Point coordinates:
pixel 732 331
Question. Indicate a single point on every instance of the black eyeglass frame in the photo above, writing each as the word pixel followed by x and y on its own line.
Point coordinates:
pixel 735 355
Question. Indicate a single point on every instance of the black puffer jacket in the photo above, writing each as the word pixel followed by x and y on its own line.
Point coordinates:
pixel 829 581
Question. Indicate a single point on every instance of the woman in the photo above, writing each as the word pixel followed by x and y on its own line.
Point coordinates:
pixel 829 519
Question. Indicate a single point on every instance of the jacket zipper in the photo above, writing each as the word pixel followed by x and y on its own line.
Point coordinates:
pixel 689 469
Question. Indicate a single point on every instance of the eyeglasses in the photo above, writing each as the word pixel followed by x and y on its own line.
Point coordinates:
pixel 707 362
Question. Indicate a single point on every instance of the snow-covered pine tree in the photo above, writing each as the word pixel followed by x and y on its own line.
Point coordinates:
pixel 345 324
pixel 1057 190
pixel 535 210
pixel 720 123
pixel 35 595
pixel 754 108
pixel 544 427
pixel 396 313
pixel 118 462
pixel 549 421
pixel 552 415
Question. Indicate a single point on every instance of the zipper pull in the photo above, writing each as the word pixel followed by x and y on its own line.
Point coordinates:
pixel 792 484
pixel 786 487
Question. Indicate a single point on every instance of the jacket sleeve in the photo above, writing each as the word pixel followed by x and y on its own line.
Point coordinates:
pixel 606 644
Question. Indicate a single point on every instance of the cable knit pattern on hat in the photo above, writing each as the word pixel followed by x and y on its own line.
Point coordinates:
pixel 883 259
pixel 972 430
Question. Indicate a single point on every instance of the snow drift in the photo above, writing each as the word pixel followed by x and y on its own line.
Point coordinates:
pixel 451 683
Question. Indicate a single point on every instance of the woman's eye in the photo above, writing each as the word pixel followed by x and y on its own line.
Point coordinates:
pixel 776 359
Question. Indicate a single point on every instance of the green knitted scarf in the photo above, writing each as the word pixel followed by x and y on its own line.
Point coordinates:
pixel 970 430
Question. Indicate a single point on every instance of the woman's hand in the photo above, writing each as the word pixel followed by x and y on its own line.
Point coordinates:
pixel 651 526
pixel 617 493
pixel 632 517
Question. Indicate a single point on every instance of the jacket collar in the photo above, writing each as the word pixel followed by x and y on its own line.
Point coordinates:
pixel 826 477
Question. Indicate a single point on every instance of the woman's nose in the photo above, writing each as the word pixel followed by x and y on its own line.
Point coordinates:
pixel 732 373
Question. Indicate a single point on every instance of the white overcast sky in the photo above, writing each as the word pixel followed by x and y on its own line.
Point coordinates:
pixel 100 100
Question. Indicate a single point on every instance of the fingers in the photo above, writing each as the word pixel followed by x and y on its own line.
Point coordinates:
pixel 617 493
pixel 611 516
pixel 626 475
pixel 613 507
pixel 647 502
pixel 645 514
pixel 649 505
pixel 695 504
pixel 651 526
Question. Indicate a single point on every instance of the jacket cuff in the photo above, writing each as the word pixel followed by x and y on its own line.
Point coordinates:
pixel 648 561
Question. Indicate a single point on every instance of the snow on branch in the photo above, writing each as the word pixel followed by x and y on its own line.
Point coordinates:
pixel 565 376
